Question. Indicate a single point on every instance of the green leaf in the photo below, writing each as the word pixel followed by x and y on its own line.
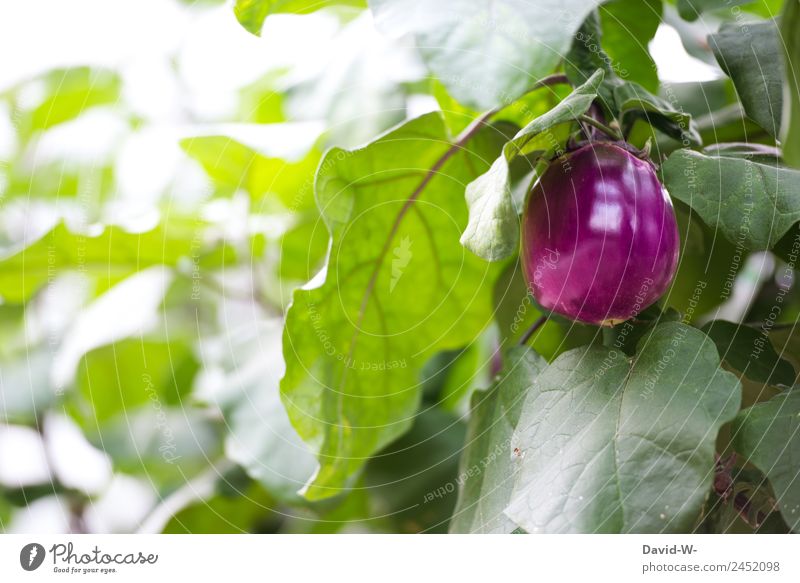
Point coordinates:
pixel 752 57
pixel 303 247
pixel 68 93
pixel 251 14
pixel 611 444
pixel 486 472
pixel 628 26
pixel 692 9
pixel 635 102
pixel 397 289
pixel 486 53
pixel 129 374
pixel 750 351
pixel 247 510
pixel 234 166
pixel 106 258
pixel 707 267
pixel 402 479
pixel 790 134
pixel 264 443
pixel 493 228
pixel 25 384
pixel 768 436
pixel 261 439
pixel 752 204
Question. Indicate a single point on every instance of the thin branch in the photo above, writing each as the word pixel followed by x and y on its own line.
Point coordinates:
pixel 532 330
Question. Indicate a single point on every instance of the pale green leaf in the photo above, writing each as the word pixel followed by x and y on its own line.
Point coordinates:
pixel 608 443
pixel 486 53
pixel 692 9
pixel 251 14
pixel 107 258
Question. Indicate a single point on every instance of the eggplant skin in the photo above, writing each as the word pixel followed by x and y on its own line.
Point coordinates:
pixel 600 241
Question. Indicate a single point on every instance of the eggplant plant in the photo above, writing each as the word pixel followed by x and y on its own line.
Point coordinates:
pixel 505 277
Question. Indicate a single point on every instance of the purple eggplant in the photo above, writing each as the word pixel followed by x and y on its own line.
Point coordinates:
pixel 599 238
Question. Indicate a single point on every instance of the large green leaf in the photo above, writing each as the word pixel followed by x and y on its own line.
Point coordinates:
pixel 754 61
pixel 398 288
pixel 251 14
pixel 486 52
pixel 486 473
pixel 790 40
pixel 768 436
pixel 607 443
pixel 493 229
pixel 628 26
pixel 107 258
pixel 753 204
pixel 750 351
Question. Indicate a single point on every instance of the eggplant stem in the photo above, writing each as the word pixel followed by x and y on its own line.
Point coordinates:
pixel 607 130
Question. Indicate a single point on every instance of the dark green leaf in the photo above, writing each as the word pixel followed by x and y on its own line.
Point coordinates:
pixel 397 289
pixel 402 479
pixel 486 53
pixel 752 204
pixel 628 26
pixel 486 473
pixel 611 444
pixel 587 55
pixel 635 102
pixel 790 40
pixel 768 436
pixel 751 55
pixel 493 229
pixel 750 351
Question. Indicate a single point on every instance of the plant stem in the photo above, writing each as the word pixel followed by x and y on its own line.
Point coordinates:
pixel 530 331
pixel 607 130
